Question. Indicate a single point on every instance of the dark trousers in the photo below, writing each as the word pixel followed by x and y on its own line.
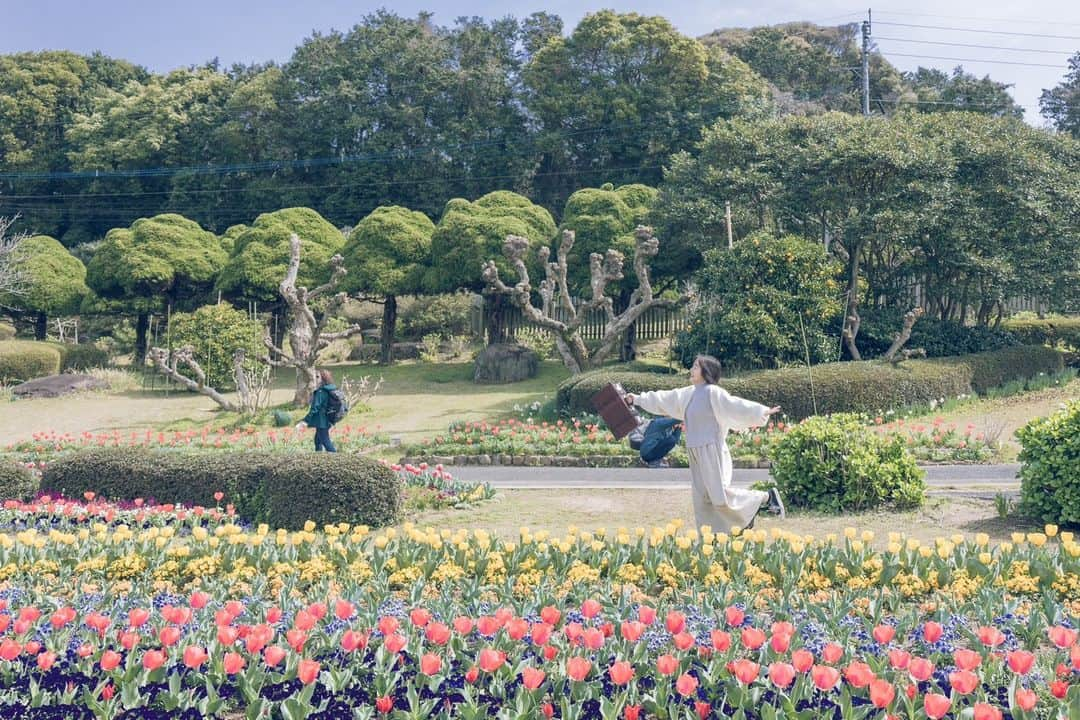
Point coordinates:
pixel 661 436
pixel 323 441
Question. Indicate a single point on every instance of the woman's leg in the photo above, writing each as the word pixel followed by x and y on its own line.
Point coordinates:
pixel 322 440
pixel 716 502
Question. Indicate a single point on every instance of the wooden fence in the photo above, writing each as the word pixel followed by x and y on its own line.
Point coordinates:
pixel 654 323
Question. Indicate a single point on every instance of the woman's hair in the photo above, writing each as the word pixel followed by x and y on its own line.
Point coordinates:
pixel 710 368
pixel 326 377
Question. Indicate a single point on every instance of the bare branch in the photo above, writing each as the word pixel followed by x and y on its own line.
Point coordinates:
pixel 186 355
pixel 905 333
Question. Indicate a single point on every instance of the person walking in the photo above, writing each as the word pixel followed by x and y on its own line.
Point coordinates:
pixel 319 414
pixel 708 412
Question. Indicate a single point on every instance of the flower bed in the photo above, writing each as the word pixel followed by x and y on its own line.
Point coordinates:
pixel 147 612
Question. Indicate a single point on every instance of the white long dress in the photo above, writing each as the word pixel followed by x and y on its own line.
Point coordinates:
pixel 716 503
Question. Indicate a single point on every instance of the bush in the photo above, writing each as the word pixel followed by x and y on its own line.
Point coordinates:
pixel 1050 466
pixel 216 332
pixel 868 386
pixel 940 338
pixel 425 314
pixel 82 356
pixel 27 359
pixel 17 482
pixel 7 331
pixel 284 490
pixel 836 463
pixel 1051 330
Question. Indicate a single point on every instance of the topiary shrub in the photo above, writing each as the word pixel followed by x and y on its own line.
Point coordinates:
pixel 216 332
pixel 1050 466
pixel 25 360
pixel 449 314
pixel 17 482
pixel 992 369
pixel 836 464
pixel 282 489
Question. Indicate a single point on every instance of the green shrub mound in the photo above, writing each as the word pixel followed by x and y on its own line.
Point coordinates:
pixel 80 357
pixel 1051 330
pixel 215 333
pixel 17 482
pixel 868 387
pixel 7 331
pixel 836 464
pixel 283 490
pixel 1050 467
pixel 940 338
pixel 26 359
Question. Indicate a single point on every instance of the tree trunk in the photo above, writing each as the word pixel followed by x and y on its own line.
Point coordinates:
pixel 277 321
pixel 495 318
pixel 628 351
pixel 386 335
pixel 851 321
pixel 306 383
pixel 142 326
pixel 41 326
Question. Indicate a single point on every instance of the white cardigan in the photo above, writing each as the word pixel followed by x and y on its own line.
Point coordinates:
pixel 732 413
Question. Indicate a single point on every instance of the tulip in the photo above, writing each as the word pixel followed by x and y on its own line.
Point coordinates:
pixel 632 630
pixel 921 669
pixel 548 710
pixel 687 684
pixel 430 664
pixel 472 674
pixel 899 659
pixel 395 643
pixel 621 672
pixel 990 636
pixel 858 674
pixel 702 709
pixel 666 665
pixel 931 631
pixel 198 599
pixel 825 677
pixel 647 614
pixel 985 711
pixel 233 662
pixel 1059 689
pixel 832 653
pixel 304 621
pixel 153 659
pixel 273 615
pixel 1061 636
pixel 734 616
pixel 541 633
pixel 745 671
pixel 593 638
pixel 307 671
pixel 675 622
pixel 683 641
pixel 437 633
pixel 782 674
pixel 128 640
pixel 517 628
pixel 343 609
pixel 752 638
pixel 487 625
pixel 550 615
pixel 109 659
pixel 296 639
pixel 590 608
pixel 967 659
pixel 384 704
pixel 273 655
pixel 388 624
pixel 803 660
pixel 420 617
pixel 194 656
pixel 577 668
pixel 550 652
pixel 1026 699
pixel 532 678
pixel 936 706
pixel 632 712
pixel 721 640
pixel 463 625
pixel 882 693
pixel 138 617
pixel 352 640
pixel 491 660
pixel 227 635
pixel 45 660
pixel 1020 661
pixel 883 634
pixel 780 643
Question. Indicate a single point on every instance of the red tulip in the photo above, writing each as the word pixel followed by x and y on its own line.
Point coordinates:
pixel 1026 699
pixel 517 628
pixel 548 710
pixel 32 648
pixel 577 668
pixel 107 692
pixel 632 712
pixel 532 678
pixel 352 640
pixel 395 643
pixel 990 636
pixel 504 615
pixel 420 617
pixel 388 624
pixel 194 656
pixel 858 674
pixel 666 665
pixel 683 641
pixel 593 638
pixel 745 671
pixel 45 660
pixel 273 655
pixel 985 711
pixel 734 616
pixel 198 599
pixel 621 672
pixel 931 631
pixel 936 706
pixel 687 684
pixel 721 640
pixel 1059 689
pixel 472 674
pixel 802 659
pixel 1061 636
pixel 273 615
pixel 94 621
pixel 632 630
pixel 702 709
pixel 550 615
pixel 550 652
pixel 128 640
pixel 884 634
pixel 296 639
pixel 308 671
pixel 1074 656
pixel 1020 661
pixel 491 660
pixel 899 659
pixel 825 677
pixel 384 704
pixel 967 659
pixel 921 669
pixel 234 608
pixel 780 643
pixel 647 614
pixel 541 633
pixel 487 625
pixel 304 621
pixel 109 659
pixel 227 635
pixel 343 609
pixel 463 625
pixel 782 674
pixel 882 693
pixel 437 633
pixel 138 617
pixel 590 608
pixel 430 664
pixel 153 659
pixel 752 638
pixel 234 663
pixel 675 622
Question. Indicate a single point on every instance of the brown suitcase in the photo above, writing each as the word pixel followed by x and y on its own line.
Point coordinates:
pixel 610 403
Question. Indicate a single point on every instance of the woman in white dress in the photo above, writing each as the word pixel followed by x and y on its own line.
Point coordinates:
pixel 708 412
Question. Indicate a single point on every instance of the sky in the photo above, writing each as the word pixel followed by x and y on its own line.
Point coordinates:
pixel 1030 48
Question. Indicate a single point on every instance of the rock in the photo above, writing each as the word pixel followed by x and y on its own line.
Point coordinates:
pixel 57 385
pixel 505 363
pixel 519 460
pixel 485 459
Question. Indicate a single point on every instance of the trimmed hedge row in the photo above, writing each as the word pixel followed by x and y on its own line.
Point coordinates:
pixel 16 482
pixel 82 356
pixel 1047 331
pixel 282 490
pixel 867 387
pixel 27 359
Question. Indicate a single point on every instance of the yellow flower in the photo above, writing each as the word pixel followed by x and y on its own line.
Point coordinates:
pixel 850 533
pixel 1036 539
pixel 1018 538
pixel 982 539
pixel 986 558
pixel 1050 530
pixel 381 541
pixel 867 536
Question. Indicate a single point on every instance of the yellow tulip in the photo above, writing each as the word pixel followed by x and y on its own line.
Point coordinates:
pixel 982 539
pixel 1050 530
pixel 850 533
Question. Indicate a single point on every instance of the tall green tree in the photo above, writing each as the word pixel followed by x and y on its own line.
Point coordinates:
pixel 387 254
pixel 938 91
pixel 471 233
pixel 1061 103
pixel 158 262
pixel 54 281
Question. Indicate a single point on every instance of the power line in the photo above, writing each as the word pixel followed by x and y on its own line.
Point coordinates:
pixel 989 32
pixel 974 60
pixel 980 19
pixel 983 47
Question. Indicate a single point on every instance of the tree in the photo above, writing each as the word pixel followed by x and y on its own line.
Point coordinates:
pixel 554 291
pixel 614 99
pixel 307 325
pixel 157 262
pixel 12 276
pixel 470 233
pixel 387 254
pixel 937 91
pixel 1061 104
pixel 54 281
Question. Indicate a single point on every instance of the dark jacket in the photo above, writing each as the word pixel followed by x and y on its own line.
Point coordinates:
pixel 316 416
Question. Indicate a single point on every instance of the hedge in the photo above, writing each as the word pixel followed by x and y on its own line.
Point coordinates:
pixel 82 356
pixel 283 490
pixel 16 482
pixel 867 387
pixel 26 359
pixel 1046 331
pixel 1049 471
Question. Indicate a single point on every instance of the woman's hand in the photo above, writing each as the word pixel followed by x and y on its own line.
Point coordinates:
pixel 629 400
pixel 773 410
pixel 301 426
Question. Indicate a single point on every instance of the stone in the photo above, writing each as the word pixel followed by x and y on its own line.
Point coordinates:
pixel 505 363
pixel 57 385
pixel 485 459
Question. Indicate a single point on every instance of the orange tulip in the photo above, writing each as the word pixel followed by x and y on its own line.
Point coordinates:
pixel 687 685
pixel 666 665
pixel 782 674
pixel 532 678
pixel 430 664
pixel 1020 661
pixel 825 677
pixel 577 668
pixel 621 672
pixel 882 693
pixel 936 706
pixel 234 663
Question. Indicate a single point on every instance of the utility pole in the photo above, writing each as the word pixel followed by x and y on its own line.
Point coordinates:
pixel 727 214
pixel 866 64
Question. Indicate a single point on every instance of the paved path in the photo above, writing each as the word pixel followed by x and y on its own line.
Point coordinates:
pixel 938 477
